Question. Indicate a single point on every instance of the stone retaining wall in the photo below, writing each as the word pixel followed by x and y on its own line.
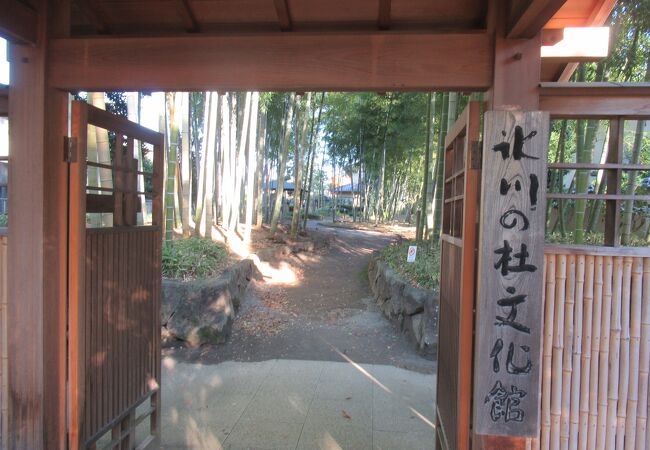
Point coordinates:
pixel 202 311
pixel 414 310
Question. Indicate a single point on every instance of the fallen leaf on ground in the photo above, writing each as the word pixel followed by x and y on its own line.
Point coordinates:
pixel 345 414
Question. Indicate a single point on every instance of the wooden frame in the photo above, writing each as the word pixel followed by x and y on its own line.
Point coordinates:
pixel 18 22
pixel 613 168
pixel 98 317
pixel 595 100
pixel 292 61
pixel 459 236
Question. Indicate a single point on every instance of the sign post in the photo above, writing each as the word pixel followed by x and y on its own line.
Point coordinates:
pixel 511 265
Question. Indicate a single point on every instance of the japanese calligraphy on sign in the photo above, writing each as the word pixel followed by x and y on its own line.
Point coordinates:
pixel 511 261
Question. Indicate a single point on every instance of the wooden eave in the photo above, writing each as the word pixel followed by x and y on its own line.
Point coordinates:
pixel 363 44
pixel 595 100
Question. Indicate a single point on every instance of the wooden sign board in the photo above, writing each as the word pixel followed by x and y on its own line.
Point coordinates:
pixel 511 266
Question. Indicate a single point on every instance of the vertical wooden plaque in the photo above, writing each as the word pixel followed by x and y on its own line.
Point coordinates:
pixel 511 267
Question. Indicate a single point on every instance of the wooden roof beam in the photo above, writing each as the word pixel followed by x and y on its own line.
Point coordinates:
pixel 383 19
pixel 189 18
pixel 18 22
pixel 595 100
pixel 528 22
pixel 371 61
pixel 284 15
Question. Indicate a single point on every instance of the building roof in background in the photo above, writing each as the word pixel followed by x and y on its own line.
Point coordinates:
pixel 288 185
pixel 348 188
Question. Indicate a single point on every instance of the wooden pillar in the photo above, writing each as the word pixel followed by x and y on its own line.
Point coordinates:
pixel 517 65
pixel 36 246
pixel 515 86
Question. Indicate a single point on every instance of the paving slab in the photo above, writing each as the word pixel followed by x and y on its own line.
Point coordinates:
pixel 295 404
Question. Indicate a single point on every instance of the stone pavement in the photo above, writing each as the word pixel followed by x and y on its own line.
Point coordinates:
pixel 290 404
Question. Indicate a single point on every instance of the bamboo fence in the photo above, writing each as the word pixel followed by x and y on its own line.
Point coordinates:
pixel 596 349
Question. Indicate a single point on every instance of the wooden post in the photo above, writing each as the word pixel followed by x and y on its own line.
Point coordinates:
pixel 517 65
pixel 37 241
pixel 511 254
pixel 515 86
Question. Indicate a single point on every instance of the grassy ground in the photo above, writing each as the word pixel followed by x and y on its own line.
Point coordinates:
pixel 424 272
pixel 189 259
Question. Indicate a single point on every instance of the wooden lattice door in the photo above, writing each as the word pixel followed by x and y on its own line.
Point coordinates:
pixel 458 278
pixel 114 282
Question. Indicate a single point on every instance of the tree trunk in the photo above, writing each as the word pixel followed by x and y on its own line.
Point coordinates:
pixel 382 176
pixel 312 150
pixel 425 176
pixel 298 166
pixel 261 168
pixel 98 100
pixel 628 205
pixel 177 176
pixel 334 187
pixel 186 182
pixel 226 156
pixel 440 163
pixel 601 182
pixel 628 208
pixel 171 167
pixel 210 151
pixel 282 162
pixel 199 218
pixel 555 175
pixel 252 164
pixel 240 161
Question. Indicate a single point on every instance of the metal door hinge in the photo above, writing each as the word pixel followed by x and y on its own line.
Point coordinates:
pixel 476 155
pixel 69 149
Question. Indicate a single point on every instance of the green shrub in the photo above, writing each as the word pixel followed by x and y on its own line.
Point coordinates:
pixel 590 239
pixel 424 272
pixel 192 258
pixel 4 220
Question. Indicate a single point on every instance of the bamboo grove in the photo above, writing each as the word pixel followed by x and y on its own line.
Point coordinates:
pixel 237 160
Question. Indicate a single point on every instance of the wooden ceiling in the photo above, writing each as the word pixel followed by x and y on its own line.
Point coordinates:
pixel 174 16
pixel 135 17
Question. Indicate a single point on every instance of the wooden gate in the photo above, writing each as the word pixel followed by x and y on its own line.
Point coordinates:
pixel 458 279
pixel 114 286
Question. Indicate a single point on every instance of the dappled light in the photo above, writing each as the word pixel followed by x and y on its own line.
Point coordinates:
pixel 362 370
pixel 298 404
pixel 283 274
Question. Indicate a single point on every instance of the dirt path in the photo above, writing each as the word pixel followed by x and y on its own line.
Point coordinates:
pixel 316 307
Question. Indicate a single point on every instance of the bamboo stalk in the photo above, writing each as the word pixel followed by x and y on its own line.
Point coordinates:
pixel 558 347
pixel 574 411
pixel 603 363
pixel 635 340
pixel 614 356
pixel 595 353
pixel 624 362
pixel 644 359
pixel 587 314
pixel 547 351
pixel 567 355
